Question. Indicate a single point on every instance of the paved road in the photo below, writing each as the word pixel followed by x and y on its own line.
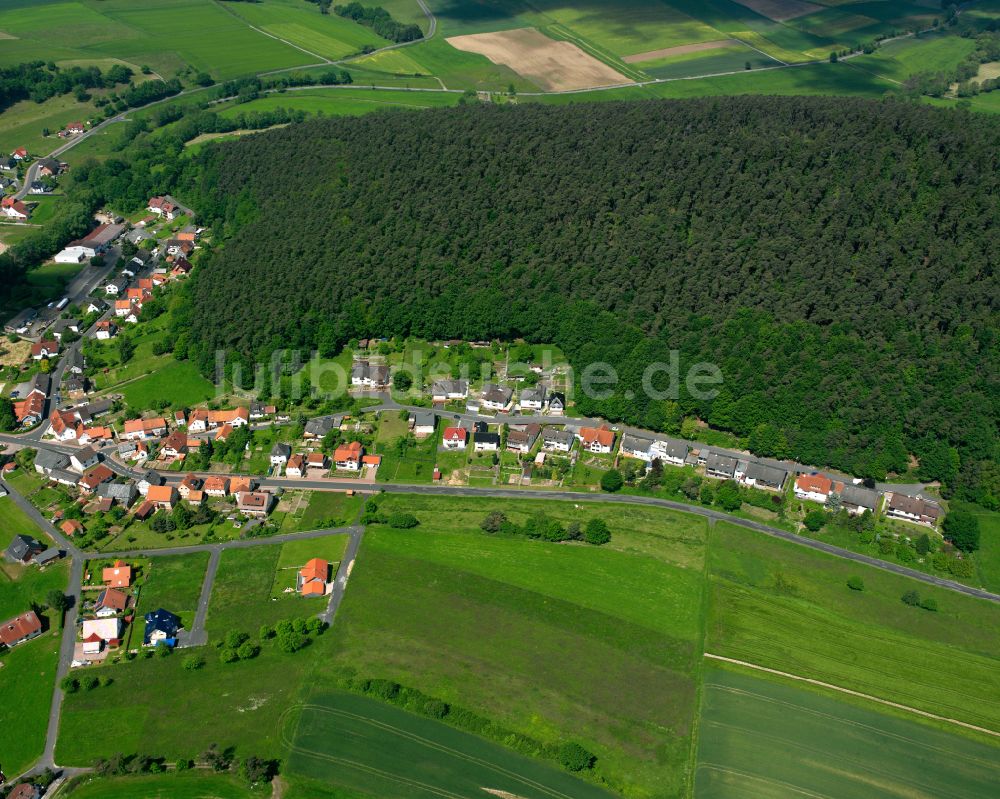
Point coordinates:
pixel 197 636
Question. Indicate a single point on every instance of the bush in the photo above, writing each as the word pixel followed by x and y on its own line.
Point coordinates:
pixel 855 583
pixel 228 656
pixel 248 650
pixel 403 521
pixel 962 529
pixel 597 532
pixel 434 708
pixel 612 481
pixel 911 598
pixel 814 520
pixel 234 638
pixel 494 522
pixel 70 684
pixel 193 662
pixel 574 757
pixel 904 553
pixel 90 682
pixel 929 604
pixel 961 567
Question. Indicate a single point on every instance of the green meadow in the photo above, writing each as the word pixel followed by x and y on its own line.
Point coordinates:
pixel 358 743
pixel 174 584
pixel 175 785
pixel 760 737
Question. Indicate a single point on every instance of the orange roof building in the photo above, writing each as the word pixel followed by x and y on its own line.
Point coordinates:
pixel 71 527
pixel 117 576
pixel 312 578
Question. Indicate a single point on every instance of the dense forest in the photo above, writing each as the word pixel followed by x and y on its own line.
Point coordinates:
pixel 836 258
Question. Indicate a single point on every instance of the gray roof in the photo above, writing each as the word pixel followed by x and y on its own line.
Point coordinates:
pixel 860 496
pixel 64 476
pixel 673 448
pixel 62 325
pixel 562 436
pixel 40 381
pixel 636 443
pixel 97 303
pixel 48 556
pixel 151 477
pixel 48 459
pixel 450 387
pixel 771 475
pixel 498 394
pixel 320 426
pixel 363 370
pixel 281 449
pixel 21 319
pixel 22 547
pixel 722 464
pixel 533 394
pixel 124 493
pixel 424 419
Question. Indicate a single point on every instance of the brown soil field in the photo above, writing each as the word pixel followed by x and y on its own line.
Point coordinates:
pixel 680 49
pixel 780 10
pixel 552 65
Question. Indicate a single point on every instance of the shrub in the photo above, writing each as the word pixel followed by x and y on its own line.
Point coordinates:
pixel 911 598
pixel 597 532
pixel 193 662
pixel 90 682
pixel 494 522
pixel 403 521
pixel 814 520
pixel 228 656
pixel 855 583
pixel 962 529
pixel 905 553
pixel 234 638
pixel 961 567
pixel 612 481
pixel 70 684
pixel 574 757
pixel 435 708
pixel 930 604
pixel 248 650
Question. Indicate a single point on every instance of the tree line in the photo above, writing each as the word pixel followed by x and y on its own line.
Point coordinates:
pixel 380 21
pixel 40 81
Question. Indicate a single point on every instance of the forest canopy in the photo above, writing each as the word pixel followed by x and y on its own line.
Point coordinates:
pixel 836 258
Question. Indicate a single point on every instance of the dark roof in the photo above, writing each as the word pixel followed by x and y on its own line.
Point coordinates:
pixel 424 418
pixel 281 449
pixel 636 443
pixel 22 548
pixel 488 438
pixel 565 436
pixel 48 556
pixel 860 496
pixel 720 463
pixel 163 621
pixel 771 475
pixel 49 459
pixel 320 426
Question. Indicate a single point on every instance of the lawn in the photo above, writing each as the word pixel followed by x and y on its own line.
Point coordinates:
pixel 363 744
pixel 174 584
pixel 706 62
pixel 779 605
pixel 329 509
pixel 21 124
pixel 185 785
pixel 294 555
pixel 24 713
pixel 242 598
pixel 351 101
pixel 900 59
pixel 177 382
pixel 762 738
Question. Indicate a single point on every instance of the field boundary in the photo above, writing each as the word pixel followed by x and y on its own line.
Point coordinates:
pixel 851 692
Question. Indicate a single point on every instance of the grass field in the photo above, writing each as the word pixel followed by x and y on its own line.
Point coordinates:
pixel 360 743
pixel 344 102
pixel 293 556
pixel 761 738
pixel 900 59
pixel 777 605
pixel 174 584
pixel 24 713
pixel 186 785
pixel 178 382
pixel 327 506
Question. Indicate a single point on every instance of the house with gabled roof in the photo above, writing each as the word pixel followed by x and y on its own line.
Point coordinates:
pixel 349 456
pixel 117 576
pixel 816 487
pixel 313 579
pixel 599 440
pixel 20 629
pixel 455 438
pixel 110 602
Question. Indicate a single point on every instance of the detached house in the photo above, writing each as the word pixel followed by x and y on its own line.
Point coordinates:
pixel 106 329
pixel 175 445
pixel 162 496
pixel 423 422
pixel 557 404
pixel 117 576
pixel 163 206
pixel 110 602
pixel 280 454
pixel 44 349
pixel 668 451
pixel 858 499
pixel 20 629
pixel 349 456
pixel 216 486
pixel 523 438
pixel 455 438
pixel 533 399
pixel 296 466
pixel 369 375
pixel 444 390
pixel 557 440
pixel 486 442
pixel 161 627
pixel 637 447
pixel 94 477
pixel 760 475
pixel 142 429
pixel 600 440
pixel 816 487
pixel 254 503
pixel 496 398
pixel 720 466
pixel 912 509
pixel 313 579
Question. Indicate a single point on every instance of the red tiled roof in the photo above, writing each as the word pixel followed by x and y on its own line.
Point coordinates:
pixel 19 627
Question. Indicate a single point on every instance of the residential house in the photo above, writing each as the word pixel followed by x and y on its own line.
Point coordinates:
pixel 240 484
pixel 106 329
pixel 369 375
pixel 423 422
pixel 22 549
pixel 280 454
pixel 816 487
pixel 71 527
pixel 74 361
pixel 599 440
pixel 30 411
pixel 163 206
pixel 60 326
pixel 161 496
pixel 189 485
pixel 98 633
pixel 444 390
pixel 116 286
pixel 320 426
pixel 20 322
pixel 161 627
pixel 19 154
pixel 142 429
pixel 216 486
pixel 84 458
pixel 857 499
pixel 496 398
pixel 455 438
pixel 313 579
pixel 63 425
pixel 533 399
pixel 74 388
pixel 174 445
pixel 668 451
pixel 20 629
pixel 122 493
pixel 317 461
pixel 201 419
pixel 15 209
pixel 48 556
pixel 49 167
pixel 637 447
pixel 557 403
pixel 133 451
pixel 912 509
pixel 95 305
pixel 147 480
pixel 720 466
pixel 523 437
pixel 44 349
pixel 181 267
pixel 25 790
pixel 144 511
pixel 349 456
pixel 557 440
pixel 486 442
pixel 110 602
pixel 296 466
pixel 254 503
pixel 760 475
pixel 117 576
pixel 93 477
pixel 74 128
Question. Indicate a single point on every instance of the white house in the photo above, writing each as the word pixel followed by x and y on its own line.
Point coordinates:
pixel 487 442
pixel 637 447
pixel 816 487
pixel 557 440
pixel 666 451
pixel 71 255
pixel 109 629
pixel 444 390
pixel 496 398
pixel 423 422
pixel 455 438
pixel 557 404
pixel 84 458
pixel 533 399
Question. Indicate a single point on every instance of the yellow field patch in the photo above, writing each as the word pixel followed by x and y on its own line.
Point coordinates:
pixel 680 49
pixel 781 10
pixel 394 62
pixel 991 69
pixel 554 66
